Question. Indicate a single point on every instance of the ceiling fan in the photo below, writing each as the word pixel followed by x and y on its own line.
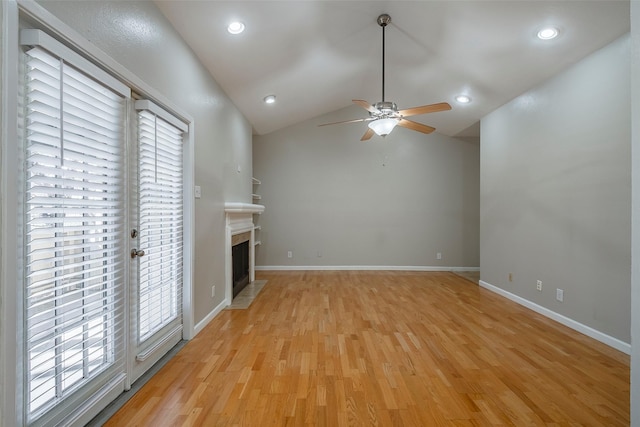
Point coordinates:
pixel 384 115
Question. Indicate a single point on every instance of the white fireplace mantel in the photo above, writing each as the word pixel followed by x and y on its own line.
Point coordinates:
pixel 238 207
pixel 239 219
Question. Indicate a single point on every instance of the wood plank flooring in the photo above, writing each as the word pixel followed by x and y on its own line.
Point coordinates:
pixel 384 349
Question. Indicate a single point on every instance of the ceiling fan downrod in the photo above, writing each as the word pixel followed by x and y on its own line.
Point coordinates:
pixel 383 21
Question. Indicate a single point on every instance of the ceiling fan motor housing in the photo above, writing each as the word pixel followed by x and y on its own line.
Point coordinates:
pixel 387 108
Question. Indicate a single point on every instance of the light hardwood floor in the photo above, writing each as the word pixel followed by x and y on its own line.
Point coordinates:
pixel 384 349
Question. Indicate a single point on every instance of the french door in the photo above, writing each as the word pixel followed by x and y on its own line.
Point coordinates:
pixel 102 227
pixel 156 236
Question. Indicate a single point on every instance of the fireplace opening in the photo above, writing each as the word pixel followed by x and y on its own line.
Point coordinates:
pixel 240 266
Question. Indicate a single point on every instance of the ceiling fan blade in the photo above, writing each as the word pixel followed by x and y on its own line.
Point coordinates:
pixel 367 135
pixel 415 126
pixel 431 108
pixel 346 121
pixel 364 104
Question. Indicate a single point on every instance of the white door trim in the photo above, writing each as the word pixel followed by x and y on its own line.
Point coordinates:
pixel 10 311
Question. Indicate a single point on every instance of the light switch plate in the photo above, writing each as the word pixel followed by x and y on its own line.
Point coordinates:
pixel 197 191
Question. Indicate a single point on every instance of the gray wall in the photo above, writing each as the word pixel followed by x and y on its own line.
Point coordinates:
pixel 635 243
pixel 556 193
pixel 138 36
pixel 335 201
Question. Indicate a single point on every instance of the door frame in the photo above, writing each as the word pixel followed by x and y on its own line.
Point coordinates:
pixel 11 310
pixel 11 307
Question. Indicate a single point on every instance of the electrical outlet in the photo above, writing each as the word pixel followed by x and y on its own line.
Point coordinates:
pixel 539 285
pixel 289 254
pixel 560 295
pixel 439 255
pixel 319 254
pixel 213 291
pixel 511 277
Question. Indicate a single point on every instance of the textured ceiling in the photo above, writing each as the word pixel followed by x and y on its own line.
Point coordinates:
pixel 316 56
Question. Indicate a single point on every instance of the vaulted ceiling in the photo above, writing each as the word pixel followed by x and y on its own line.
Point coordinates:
pixel 316 56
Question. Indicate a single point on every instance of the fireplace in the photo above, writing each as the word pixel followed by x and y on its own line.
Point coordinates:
pixel 239 231
pixel 240 266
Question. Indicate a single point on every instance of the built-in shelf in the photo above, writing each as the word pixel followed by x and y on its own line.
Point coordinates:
pixel 256 181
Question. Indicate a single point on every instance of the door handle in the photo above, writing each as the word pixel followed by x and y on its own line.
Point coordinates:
pixel 136 252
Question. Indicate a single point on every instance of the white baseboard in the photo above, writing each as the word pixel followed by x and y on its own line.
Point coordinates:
pixel 465 268
pixel 209 317
pixel 577 326
pixel 361 268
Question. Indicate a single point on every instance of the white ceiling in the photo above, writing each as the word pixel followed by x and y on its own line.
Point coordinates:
pixel 316 56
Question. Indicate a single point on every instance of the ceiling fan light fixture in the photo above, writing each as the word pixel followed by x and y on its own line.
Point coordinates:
pixel 463 99
pixel 383 127
pixel 235 27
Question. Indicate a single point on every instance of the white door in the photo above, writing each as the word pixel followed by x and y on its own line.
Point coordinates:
pixel 156 236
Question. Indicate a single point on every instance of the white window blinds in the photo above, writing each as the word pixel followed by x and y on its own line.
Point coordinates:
pixel 160 218
pixel 74 219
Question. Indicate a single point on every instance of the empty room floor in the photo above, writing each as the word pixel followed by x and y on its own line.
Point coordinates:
pixel 383 349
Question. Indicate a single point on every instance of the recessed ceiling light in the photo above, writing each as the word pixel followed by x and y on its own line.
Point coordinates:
pixel 463 99
pixel 236 27
pixel 548 33
pixel 269 99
